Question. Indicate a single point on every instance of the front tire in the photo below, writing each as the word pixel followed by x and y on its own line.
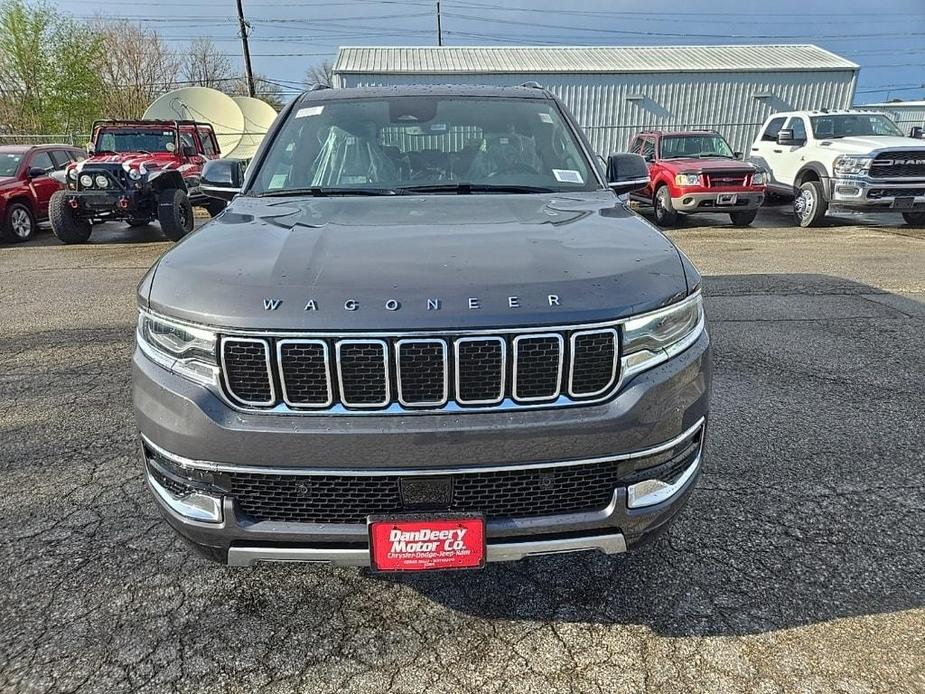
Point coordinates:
pixel 665 215
pixel 175 213
pixel 809 206
pixel 743 218
pixel 65 223
pixel 19 224
pixel 914 219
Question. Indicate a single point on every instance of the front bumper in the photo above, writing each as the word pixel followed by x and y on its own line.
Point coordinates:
pixel 866 194
pixel 195 428
pixel 118 203
pixel 711 202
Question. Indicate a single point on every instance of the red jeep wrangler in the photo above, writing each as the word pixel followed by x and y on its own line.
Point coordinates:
pixel 26 185
pixel 138 171
pixel 696 171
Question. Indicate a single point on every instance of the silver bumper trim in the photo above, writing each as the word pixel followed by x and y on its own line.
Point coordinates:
pixel 651 492
pixel 195 506
pixel 509 551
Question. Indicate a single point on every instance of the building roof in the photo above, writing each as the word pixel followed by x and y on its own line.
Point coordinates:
pixel 585 59
pixel 897 104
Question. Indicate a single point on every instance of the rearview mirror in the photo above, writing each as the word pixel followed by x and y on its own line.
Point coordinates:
pixel 222 178
pixel 916 132
pixel 626 173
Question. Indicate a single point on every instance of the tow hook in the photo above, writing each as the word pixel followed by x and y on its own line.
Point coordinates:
pixel 123 203
pixel 74 203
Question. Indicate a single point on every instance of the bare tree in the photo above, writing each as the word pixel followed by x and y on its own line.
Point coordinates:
pixel 271 92
pixel 137 68
pixel 206 66
pixel 320 74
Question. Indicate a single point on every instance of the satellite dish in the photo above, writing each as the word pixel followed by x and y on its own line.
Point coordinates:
pixel 206 106
pixel 258 117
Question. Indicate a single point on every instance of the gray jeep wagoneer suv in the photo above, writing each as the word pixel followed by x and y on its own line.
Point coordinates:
pixel 426 333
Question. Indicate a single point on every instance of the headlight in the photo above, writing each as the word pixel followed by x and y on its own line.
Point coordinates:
pixel 72 174
pixel 687 179
pixel 86 181
pixel 183 349
pixel 759 178
pixel 655 337
pixel 102 182
pixel 134 174
pixel 848 164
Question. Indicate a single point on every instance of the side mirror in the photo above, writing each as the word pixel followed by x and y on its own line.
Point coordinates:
pixel 91 148
pixel 222 178
pixel 916 132
pixel 785 137
pixel 737 155
pixel 35 172
pixel 188 150
pixel 626 173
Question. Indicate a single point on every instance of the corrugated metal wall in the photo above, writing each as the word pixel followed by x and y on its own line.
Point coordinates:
pixel 612 107
pixel 905 116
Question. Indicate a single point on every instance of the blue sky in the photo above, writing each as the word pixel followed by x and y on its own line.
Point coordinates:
pixel 886 37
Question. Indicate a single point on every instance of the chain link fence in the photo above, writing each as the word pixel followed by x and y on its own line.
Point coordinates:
pixel 75 139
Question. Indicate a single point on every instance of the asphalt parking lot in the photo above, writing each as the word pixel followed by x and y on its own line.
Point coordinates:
pixel 798 566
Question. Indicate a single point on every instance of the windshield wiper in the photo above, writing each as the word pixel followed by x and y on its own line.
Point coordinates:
pixel 467 188
pixel 320 192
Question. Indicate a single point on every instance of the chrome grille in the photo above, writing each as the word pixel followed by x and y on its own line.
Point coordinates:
pixel 405 373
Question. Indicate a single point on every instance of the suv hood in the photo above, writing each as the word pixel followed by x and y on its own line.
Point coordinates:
pixel 700 164
pixel 133 159
pixel 599 259
pixel 871 143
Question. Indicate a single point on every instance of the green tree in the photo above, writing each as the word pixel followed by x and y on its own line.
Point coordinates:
pixel 49 71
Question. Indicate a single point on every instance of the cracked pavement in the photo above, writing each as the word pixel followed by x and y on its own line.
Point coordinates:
pixel 798 566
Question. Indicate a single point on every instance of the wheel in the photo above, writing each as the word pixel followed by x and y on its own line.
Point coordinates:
pixel 809 206
pixel 743 218
pixel 914 219
pixel 175 213
pixel 65 223
pixel 138 221
pixel 19 224
pixel 214 207
pixel 665 215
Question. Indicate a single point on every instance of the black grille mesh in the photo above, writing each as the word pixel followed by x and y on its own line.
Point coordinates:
pixel 899 164
pixel 538 367
pixel 305 373
pixel 592 368
pixel 363 369
pixel 246 370
pixel 501 494
pixel 481 370
pixel 422 370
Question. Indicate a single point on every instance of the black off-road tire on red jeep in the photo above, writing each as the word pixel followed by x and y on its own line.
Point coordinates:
pixel 665 214
pixel 65 224
pixel 175 213
pixel 215 207
pixel 914 219
pixel 743 218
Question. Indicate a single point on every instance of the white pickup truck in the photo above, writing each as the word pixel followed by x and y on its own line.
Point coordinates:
pixel 843 160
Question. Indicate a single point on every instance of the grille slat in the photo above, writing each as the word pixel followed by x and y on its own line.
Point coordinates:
pixel 732 179
pixel 899 165
pixel 324 373
pixel 514 493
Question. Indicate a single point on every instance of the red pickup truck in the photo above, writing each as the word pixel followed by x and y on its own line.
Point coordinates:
pixel 26 187
pixel 697 171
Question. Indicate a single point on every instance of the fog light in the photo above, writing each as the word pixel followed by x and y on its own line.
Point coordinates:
pixel 848 190
pixel 687 201
pixel 655 491
pixel 189 492
pixel 193 505
pixel 86 181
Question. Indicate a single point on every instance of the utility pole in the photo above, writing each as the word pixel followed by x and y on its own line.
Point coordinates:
pixel 439 30
pixel 245 29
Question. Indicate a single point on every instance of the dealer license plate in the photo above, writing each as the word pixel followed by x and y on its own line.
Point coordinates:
pixel 420 543
pixel 727 199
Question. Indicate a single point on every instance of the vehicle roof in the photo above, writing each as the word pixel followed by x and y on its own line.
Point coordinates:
pixel 152 123
pixel 463 90
pixel 827 112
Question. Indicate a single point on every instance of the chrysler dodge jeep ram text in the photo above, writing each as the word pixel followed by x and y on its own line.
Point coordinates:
pixel 426 333
pixel 697 172
pixel 138 171
pixel 842 160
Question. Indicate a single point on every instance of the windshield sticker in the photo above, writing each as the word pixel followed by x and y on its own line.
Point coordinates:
pixel 567 176
pixel 546 118
pixel 309 111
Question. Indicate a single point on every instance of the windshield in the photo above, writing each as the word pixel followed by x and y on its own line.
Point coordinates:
pixel 677 146
pixel 410 144
pixel 853 124
pixel 146 140
pixel 9 163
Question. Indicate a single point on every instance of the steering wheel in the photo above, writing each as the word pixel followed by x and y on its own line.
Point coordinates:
pixel 430 172
pixel 514 168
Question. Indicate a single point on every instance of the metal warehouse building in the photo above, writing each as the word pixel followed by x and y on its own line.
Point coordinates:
pixel 907 114
pixel 616 91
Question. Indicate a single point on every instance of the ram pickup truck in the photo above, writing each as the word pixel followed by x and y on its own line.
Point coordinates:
pixel 138 171
pixel 27 184
pixel 425 334
pixel 856 161
pixel 696 171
